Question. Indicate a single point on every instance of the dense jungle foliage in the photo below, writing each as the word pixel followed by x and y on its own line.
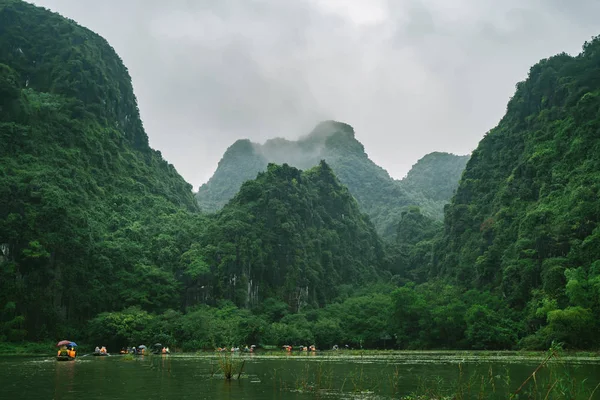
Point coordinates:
pixel 525 218
pixel 101 241
pixel 436 175
pixel 429 185
pixel 77 177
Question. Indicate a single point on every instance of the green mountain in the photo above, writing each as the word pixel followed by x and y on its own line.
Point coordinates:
pixel 525 221
pixel 290 235
pixel 436 176
pixel 270 267
pixel 76 177
pixel 100 236
pixel 429 185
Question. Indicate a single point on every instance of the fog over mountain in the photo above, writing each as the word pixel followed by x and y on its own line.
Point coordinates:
pixel 412 76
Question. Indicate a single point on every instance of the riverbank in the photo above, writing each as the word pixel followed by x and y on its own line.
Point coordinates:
pixel 44 348
pixel 26 348
pixel 442 353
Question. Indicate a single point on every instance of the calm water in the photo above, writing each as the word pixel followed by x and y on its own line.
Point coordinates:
pixel 266 376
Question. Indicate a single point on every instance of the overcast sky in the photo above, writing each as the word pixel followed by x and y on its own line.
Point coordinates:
pixel 411 76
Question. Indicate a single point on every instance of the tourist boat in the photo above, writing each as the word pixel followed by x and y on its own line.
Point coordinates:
pixel 64 358
pixel 100 354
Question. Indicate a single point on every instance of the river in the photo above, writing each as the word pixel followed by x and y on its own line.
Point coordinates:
pixel 333 375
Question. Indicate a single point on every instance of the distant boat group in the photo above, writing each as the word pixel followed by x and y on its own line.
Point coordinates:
pixel 67 351
pixel 288 348
pixel 141 350
pixel 236 349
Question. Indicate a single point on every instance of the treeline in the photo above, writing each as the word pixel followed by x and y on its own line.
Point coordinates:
pixel 433 315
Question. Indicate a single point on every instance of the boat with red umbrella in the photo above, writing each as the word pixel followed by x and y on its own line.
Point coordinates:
pixel 66 352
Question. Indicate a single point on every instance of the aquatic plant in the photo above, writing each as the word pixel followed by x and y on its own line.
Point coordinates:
pixel 230 366
pixel 556 382
pixel 314 380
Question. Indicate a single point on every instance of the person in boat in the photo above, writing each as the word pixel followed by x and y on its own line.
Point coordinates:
pixel 313 348
pixel 63 352
pixel 103 350
pixel 97 349
pixel 72 352
pixel 164 350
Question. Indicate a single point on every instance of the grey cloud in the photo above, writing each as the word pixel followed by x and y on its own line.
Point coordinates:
pixel 430 75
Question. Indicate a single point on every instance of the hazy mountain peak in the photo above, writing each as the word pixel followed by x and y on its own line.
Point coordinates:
pixel 277 141
pixel 334 144
pixel 242 146
pixel 325 129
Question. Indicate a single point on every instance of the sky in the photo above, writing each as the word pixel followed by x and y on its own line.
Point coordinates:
pixel 411 76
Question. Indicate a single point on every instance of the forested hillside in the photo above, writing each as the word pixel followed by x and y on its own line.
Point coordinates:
pixel 77 177
pixel 436 176
pixel 429 185
pixel 525 218
pixel 94 223
pixel 290 235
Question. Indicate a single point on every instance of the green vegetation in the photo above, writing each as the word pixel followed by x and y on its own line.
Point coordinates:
pixel 430 184
pixel 26 348
pixel 525 219
pixel 82 195
pixel 230 367
pixel 553 378
pixel 101 239
pixel 436 176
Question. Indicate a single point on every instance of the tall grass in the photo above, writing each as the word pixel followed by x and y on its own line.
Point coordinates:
pixel 553 378
pixel 230 366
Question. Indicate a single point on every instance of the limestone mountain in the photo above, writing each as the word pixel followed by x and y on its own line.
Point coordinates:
pixel 76 174
pixel 289 235
pixel 436 175
pixel 96 225
pixel 383 198
pixel 525 220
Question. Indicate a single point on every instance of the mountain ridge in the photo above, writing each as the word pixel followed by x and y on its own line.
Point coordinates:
pixel 379 195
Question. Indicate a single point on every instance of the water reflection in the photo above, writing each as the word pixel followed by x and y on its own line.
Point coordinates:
pixel 64 379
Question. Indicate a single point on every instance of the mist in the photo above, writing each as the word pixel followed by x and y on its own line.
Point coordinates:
pixel 411 76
